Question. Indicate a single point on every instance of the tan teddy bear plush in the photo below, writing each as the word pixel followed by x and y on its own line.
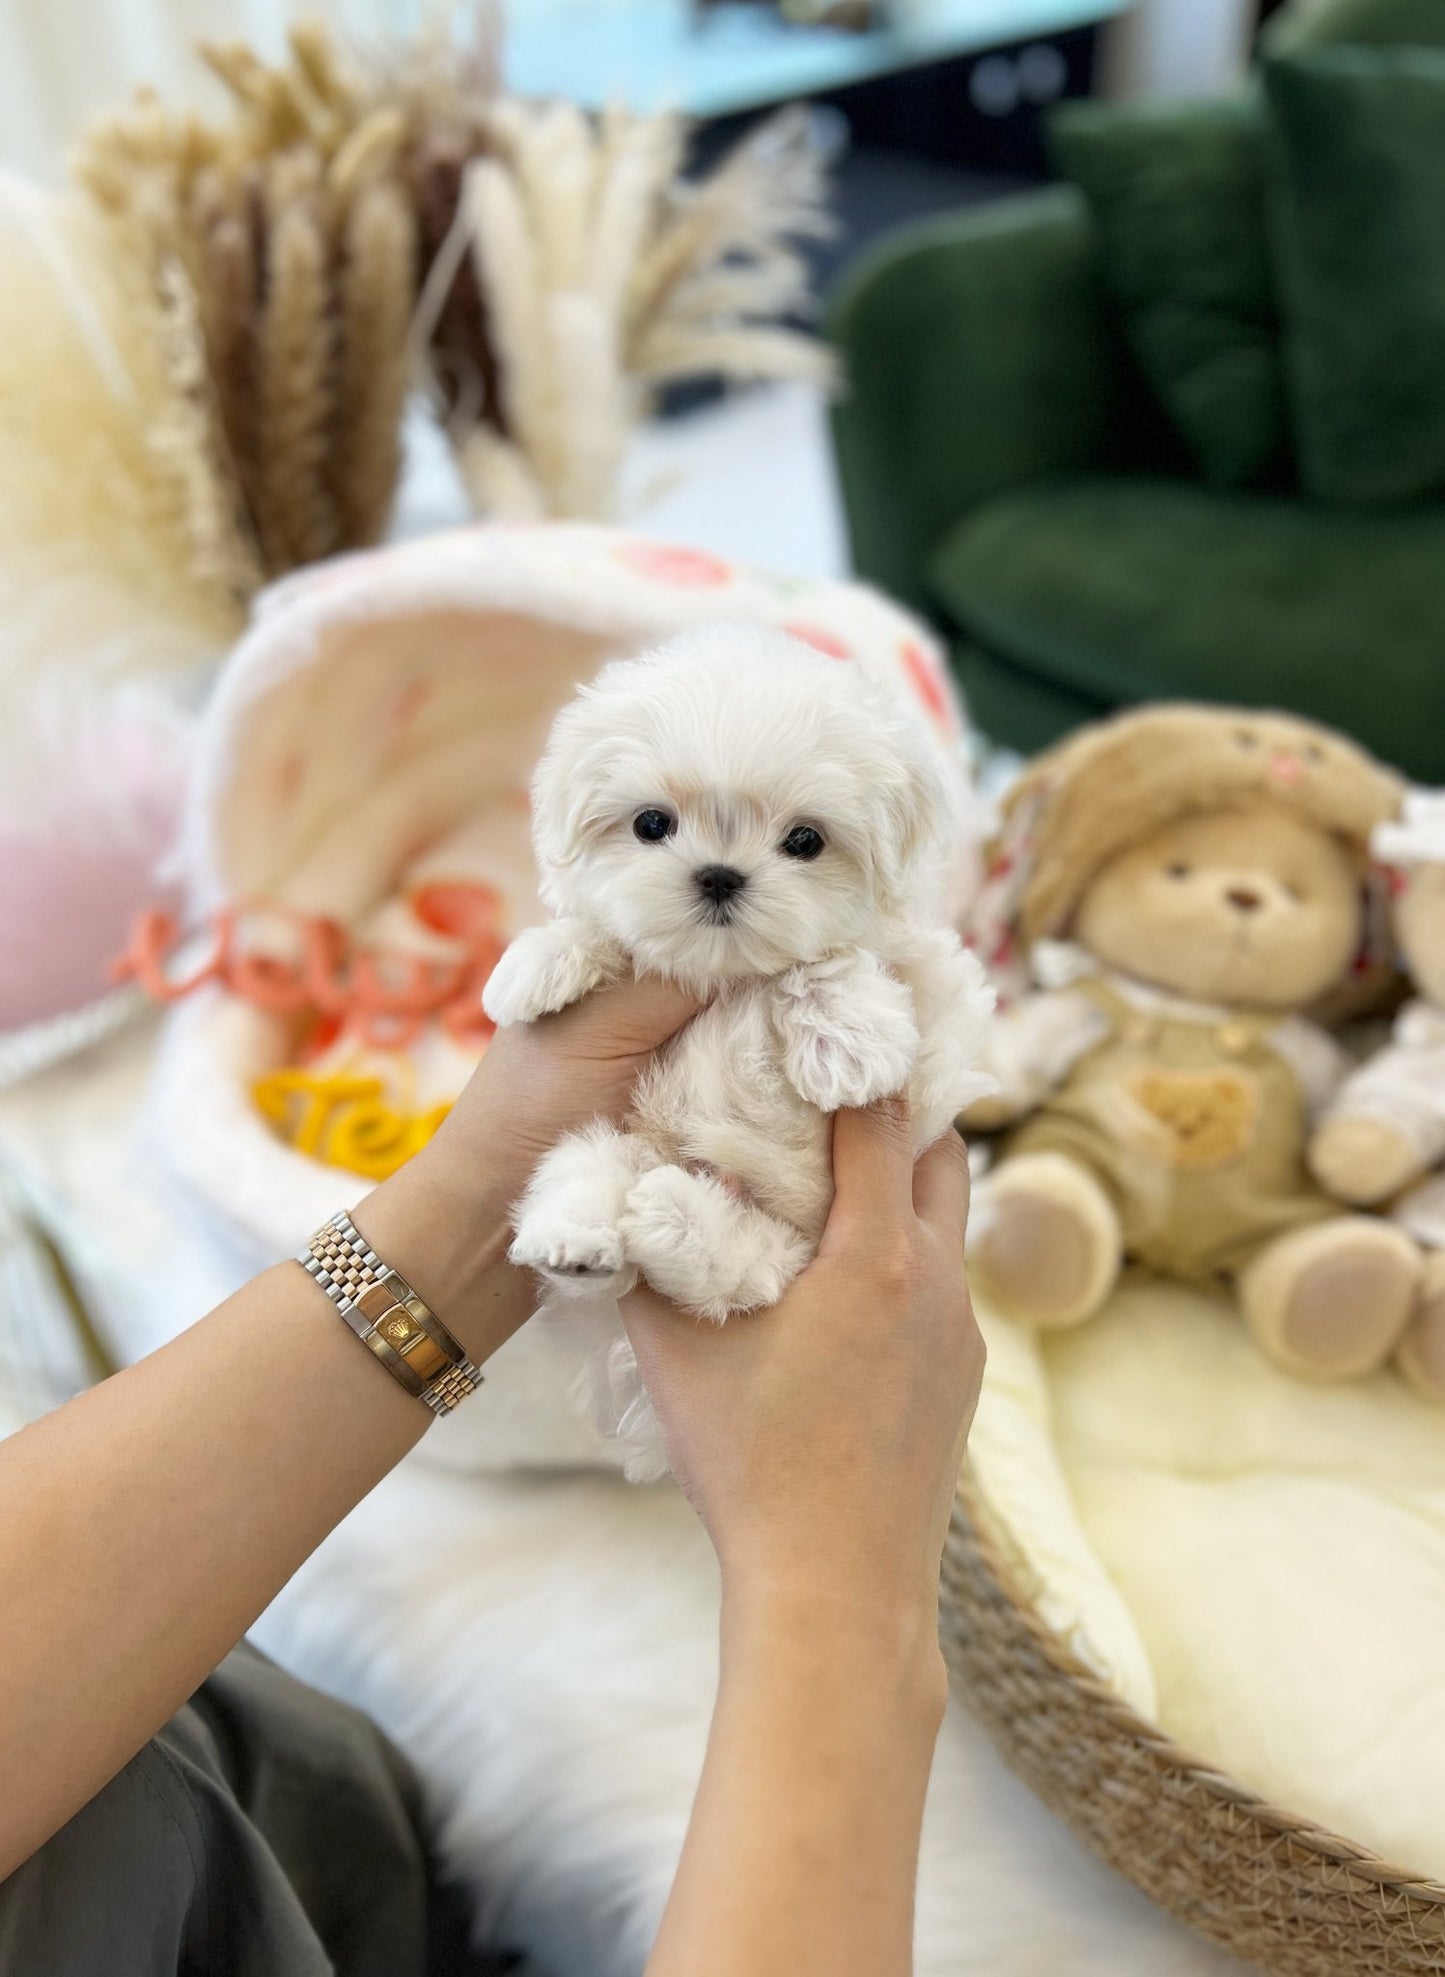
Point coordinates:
pixel 1186 882
pixel 1384 1131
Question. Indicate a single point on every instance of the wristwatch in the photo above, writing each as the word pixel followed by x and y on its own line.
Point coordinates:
pixel 388 1317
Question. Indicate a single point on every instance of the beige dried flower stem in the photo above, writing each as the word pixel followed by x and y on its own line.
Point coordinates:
pixel 296 515
pixel 375 284
pixel 560 269
pixel 184 441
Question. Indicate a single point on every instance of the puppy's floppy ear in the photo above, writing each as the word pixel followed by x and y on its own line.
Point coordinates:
pixel 914 814
pixel 571 788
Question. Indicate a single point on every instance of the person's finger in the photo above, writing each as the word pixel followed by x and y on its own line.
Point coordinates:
pixel 631 1017
pixel 872 1167
pixel 667 1340
pixel 645 1311
pixel 940 1187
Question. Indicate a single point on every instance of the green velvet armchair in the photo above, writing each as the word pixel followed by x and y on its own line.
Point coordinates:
pixel 1006 471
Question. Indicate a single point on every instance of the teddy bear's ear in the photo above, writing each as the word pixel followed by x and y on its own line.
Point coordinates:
pixel 1107 786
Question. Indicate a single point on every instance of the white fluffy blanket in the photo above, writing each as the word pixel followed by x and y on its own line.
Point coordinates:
pixel 546 1649
pixel 545 1646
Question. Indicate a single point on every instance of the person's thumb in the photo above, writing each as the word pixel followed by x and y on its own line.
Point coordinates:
pixel 632 1017
pixel 872 1171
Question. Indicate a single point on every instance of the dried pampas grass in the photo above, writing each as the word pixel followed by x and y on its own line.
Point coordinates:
pixel 355 223
pixel 603 274
pixel 296 517
pixel 376 287
pixel 101 592
pixel 287 234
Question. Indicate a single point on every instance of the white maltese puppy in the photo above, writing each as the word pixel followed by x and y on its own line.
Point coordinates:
pixel 765 825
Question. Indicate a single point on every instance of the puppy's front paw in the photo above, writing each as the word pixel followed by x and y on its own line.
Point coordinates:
pixel 850 1037
pixel 855 1070
pixel 582 1258
pixel 545 969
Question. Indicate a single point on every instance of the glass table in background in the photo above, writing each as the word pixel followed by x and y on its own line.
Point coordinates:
pixel 720 60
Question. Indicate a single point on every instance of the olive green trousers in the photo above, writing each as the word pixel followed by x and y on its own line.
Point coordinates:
pixel 268 1831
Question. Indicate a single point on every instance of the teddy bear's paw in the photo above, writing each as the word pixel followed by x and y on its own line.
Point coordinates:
pixel 1332 1301
pixel 572 1256
pixel 1363 1160
pixel 1045 1246
pixel 545 969
pixel 988 1114
pixel 704 1248
pixel 1421 1357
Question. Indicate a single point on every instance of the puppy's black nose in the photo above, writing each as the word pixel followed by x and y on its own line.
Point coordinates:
pixel 1244 899
pixel 718 882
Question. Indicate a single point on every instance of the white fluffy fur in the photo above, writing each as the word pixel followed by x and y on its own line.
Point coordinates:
pixel 832 980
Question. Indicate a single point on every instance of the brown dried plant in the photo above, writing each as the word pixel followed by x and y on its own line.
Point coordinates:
pixel 352 222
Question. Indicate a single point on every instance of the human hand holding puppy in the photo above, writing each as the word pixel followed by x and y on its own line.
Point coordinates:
pixel 821 1446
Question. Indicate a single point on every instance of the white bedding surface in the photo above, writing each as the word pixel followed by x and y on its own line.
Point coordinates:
pixel 546 1650
pixel 545 1647
pixel 1274 1551
pixel 1261 1562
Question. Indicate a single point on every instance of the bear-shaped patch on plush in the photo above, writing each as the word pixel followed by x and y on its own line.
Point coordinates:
pixel 1383 1135
pixel 1186 882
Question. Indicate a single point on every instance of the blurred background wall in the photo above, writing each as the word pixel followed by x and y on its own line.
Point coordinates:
pixel 64 61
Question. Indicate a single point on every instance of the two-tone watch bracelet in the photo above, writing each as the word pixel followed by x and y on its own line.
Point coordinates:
pixel 388 1317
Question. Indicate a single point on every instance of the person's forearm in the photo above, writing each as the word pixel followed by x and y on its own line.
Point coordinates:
pixel 803 1846
pixel 145 1525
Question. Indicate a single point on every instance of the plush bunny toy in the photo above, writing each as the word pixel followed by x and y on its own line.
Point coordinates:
pixel 1385 1129
pixel 1188 883
pixel 736 812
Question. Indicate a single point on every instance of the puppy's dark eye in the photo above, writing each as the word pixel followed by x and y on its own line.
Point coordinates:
pixel 1179 871
pixel 803 841
pixel 652 826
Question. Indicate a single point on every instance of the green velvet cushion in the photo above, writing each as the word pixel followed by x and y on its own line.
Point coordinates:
pixel 1358 214
pixel 1177 191
pixel 1125 589
pixel 1374 21
pixel 981 352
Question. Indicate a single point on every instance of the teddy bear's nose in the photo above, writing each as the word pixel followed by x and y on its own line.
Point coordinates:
pixel 719 882
pixel 1244 899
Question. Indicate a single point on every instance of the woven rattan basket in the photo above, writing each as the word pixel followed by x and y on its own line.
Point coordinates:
pixel 1277 1890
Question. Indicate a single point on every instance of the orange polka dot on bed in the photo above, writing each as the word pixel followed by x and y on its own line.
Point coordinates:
pixel 925 680
pixel 821 639
pixel 694 569
pixel 407 704
pixel 288 774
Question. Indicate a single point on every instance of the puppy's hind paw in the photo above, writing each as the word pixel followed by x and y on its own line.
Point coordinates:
pixel 577 1257
pixel 700 1246
pixel 673 1233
